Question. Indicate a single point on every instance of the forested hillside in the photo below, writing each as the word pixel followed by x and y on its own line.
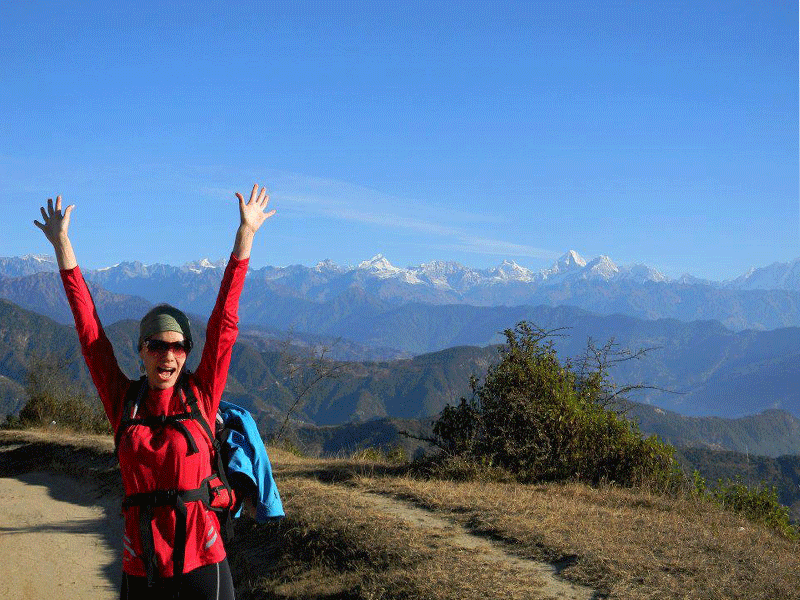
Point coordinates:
pixel 269 381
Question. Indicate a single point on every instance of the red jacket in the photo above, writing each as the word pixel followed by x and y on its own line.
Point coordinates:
pixel 155 459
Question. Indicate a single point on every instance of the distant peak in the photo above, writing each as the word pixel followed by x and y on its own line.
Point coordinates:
pixel 508 269
pixel 326 265
pixel 42 258
pixel 204 263
pixel 378 261
pixel 571 261
pixel 511 266
pixel 572 258
pixel 603 267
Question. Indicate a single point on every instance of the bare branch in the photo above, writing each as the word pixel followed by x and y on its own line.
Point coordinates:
pixel 320 367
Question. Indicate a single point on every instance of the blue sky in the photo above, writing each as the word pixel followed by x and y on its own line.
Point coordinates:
pixel 655 132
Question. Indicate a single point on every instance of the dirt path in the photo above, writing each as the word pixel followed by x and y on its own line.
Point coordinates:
pixel 552 588
pixel 56 539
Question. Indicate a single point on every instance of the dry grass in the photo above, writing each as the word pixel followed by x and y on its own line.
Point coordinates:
pixel 630 545
pixel 336 545
pixel 627 544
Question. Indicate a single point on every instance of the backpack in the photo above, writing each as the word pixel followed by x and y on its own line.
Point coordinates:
pixel 215 491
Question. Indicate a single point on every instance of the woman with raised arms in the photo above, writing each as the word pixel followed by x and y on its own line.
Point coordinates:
pixel 172 544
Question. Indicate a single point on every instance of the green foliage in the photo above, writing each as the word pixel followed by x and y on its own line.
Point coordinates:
pixel 289 446
pixel 368 455
pixel 547 421
pixel 11 422
pixel 54 399
pixel 759 504
pixel 396 455
pixel 782 473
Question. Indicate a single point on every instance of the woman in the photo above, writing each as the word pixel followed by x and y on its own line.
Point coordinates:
pixel 171 544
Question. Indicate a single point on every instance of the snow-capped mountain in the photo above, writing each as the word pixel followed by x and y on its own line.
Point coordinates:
pixel 641 273
pixel 378 266
pixel 455 277
pixel 437 276
pixel 274 294
pixel 20 266
pixel 201 265
pixel 436 281
pixel 571 262
pixel 328 266
pixel 777 276
pixel 508 270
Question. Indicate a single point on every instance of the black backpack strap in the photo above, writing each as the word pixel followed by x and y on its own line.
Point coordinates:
pixel 197 414
pixel 176 499
pixel 133 397
pixel 219 462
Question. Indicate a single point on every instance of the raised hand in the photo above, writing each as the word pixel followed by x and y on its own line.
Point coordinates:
pixel 252 213
pixel 56 223
pixel 252 217
pixel 55 228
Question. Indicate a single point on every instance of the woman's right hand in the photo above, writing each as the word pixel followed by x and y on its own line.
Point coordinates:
pixel 56 223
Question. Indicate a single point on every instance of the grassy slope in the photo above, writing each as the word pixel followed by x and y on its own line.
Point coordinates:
pixel 334 544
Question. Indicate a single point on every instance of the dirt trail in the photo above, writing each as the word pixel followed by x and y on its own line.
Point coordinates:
pixel 56 540
pixel 552 588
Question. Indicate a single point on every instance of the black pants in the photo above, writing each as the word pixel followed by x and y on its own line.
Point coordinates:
pixel 211 582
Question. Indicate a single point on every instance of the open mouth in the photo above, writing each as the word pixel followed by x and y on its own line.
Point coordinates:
pixel 165 373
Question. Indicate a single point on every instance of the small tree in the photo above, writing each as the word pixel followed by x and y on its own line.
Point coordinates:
pixel 53 397
pixel 544 420
pixel 303 372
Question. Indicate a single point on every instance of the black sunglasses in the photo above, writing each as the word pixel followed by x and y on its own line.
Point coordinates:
pixel 162 347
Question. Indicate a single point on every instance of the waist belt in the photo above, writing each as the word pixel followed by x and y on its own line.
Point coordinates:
pixel 177 499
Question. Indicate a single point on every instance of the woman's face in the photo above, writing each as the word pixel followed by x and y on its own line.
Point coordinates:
pixel 163 359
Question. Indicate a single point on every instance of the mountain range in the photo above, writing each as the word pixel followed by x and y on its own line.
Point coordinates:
pixel 328 299
pixel 696 367
pixel 446 276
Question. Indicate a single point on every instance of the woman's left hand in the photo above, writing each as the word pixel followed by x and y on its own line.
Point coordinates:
pixel 252 213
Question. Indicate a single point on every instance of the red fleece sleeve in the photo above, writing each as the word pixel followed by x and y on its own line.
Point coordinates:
pixel 223 328
pixel 108 378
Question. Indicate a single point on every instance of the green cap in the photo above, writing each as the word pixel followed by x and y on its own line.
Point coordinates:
pixel 165 318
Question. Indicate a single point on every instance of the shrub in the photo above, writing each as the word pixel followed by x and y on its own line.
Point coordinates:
pixel 71 412
pixel 52 397
pixel 759 504
pixel 396 455
pixel 547 421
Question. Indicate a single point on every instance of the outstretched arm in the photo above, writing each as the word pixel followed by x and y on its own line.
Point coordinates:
pixel 55 228
pixel 212 372
pixel 252 216
pixel 109 380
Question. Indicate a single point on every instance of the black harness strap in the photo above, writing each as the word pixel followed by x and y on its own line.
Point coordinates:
pixel 133 398
pixel 134 401
pixel 194 409
pixel 176 499
pixel 148 544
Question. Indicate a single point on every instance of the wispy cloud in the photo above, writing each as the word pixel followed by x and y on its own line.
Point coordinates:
pixel 451 229
pixel 218 192
pixel 455 229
